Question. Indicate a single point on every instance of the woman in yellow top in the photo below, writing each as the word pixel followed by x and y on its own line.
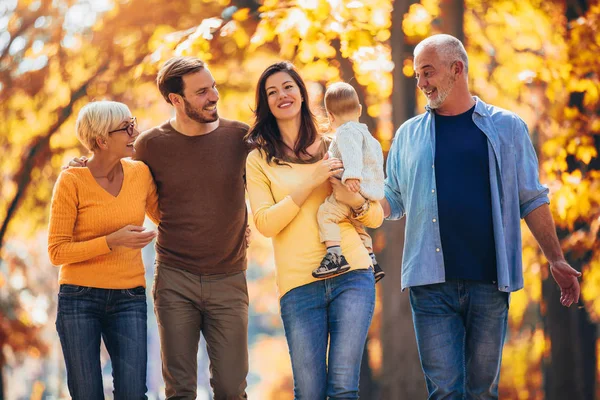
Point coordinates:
pixel 96 237
pixel 287 175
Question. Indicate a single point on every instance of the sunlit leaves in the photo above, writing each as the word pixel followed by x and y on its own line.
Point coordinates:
pixel 590 286
pixel 521 375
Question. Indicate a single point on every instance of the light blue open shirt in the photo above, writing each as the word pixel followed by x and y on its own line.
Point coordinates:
pixel 410 189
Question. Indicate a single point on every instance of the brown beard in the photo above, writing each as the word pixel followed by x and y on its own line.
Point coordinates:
pixel 193 114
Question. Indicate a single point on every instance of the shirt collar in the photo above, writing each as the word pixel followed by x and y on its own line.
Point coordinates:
pixel 479 107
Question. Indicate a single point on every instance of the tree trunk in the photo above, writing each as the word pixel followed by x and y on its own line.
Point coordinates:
pixel 451 19
pixel 570 371
pixel 403 95
pixel 401 376
pixel 347 74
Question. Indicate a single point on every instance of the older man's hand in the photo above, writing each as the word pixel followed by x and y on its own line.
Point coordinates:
pixel 566 277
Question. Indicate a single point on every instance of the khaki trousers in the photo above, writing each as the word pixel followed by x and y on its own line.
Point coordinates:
pixel 330 214
pixel 186 305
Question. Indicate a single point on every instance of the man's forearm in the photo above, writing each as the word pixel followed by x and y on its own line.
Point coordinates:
pixel 542 227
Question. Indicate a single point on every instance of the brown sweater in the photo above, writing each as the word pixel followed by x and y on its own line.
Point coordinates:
pixel 200 183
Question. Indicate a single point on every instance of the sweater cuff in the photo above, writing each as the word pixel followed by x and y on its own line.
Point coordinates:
pixel 99 246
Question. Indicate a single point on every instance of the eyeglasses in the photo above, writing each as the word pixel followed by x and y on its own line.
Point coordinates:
pixel 129 128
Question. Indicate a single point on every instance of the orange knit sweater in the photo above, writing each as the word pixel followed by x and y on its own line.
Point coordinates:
pixel 82 214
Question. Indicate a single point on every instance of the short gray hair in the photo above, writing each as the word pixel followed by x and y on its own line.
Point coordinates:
pixel 97 118
pixel 448 48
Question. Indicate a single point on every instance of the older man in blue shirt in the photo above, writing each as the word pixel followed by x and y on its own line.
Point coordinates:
pixel 464 173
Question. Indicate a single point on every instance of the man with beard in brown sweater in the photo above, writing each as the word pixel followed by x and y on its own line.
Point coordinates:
pixel 198 163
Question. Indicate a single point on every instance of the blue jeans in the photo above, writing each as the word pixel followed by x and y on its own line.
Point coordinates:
pixel 338 309
pixel 119 316
pixel 460 328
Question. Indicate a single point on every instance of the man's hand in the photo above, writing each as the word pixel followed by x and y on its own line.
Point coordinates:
pixel 353 185
pixel 566 277
pixel 77 162
pixel 344 195
pixel 248 236
pixel 541 224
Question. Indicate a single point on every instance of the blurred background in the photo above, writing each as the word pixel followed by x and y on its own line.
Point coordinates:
pixel 538 58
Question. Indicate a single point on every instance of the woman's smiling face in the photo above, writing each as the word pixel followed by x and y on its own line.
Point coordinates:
pixel 283 96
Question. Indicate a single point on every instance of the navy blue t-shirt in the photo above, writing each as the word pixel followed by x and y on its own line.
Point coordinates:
pixel 462 176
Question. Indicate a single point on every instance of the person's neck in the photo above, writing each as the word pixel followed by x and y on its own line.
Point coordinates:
pixel 289 130
pixel 343 120
pixel 187 126
pixel 103 165
pixel 460 103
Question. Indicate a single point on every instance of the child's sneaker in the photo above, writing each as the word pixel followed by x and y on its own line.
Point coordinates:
pixel 331 265
pixel 379 274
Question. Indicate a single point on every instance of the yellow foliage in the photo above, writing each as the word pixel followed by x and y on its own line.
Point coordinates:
pixel 241 14
pixel 590 288
pixel 521 373
pixel 417 23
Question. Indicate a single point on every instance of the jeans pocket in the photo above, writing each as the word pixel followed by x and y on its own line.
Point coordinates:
pixel 136 292
pixel 72 290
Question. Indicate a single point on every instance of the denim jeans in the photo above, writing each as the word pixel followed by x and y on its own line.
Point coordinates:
pixel 118 316
pixel 338 309
pixel 460 328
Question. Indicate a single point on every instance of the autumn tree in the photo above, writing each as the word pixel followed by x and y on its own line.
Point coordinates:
pixel 570 129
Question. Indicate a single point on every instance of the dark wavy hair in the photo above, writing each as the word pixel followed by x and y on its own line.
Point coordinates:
pixel 264 133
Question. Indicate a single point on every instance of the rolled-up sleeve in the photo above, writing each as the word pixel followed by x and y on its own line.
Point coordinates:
pixel 532 193
pixel 392 182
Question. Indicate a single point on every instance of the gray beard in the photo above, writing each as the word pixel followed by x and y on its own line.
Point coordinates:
pixel 442 96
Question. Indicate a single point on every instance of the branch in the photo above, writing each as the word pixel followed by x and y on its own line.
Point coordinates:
pixel 38 152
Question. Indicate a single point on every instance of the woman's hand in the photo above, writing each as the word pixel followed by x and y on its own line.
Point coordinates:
pixel 345 195
pixel 132 236
pixel 327 168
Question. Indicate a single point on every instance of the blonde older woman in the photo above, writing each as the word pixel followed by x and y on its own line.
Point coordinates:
pixel 96 236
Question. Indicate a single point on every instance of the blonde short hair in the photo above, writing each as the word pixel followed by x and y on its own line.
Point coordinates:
pixel 341 99
pixel 96 119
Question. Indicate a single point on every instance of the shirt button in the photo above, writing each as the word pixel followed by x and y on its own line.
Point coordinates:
pixel 432 190
pixel 438 249
pixel 432 166
pixel 434 220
